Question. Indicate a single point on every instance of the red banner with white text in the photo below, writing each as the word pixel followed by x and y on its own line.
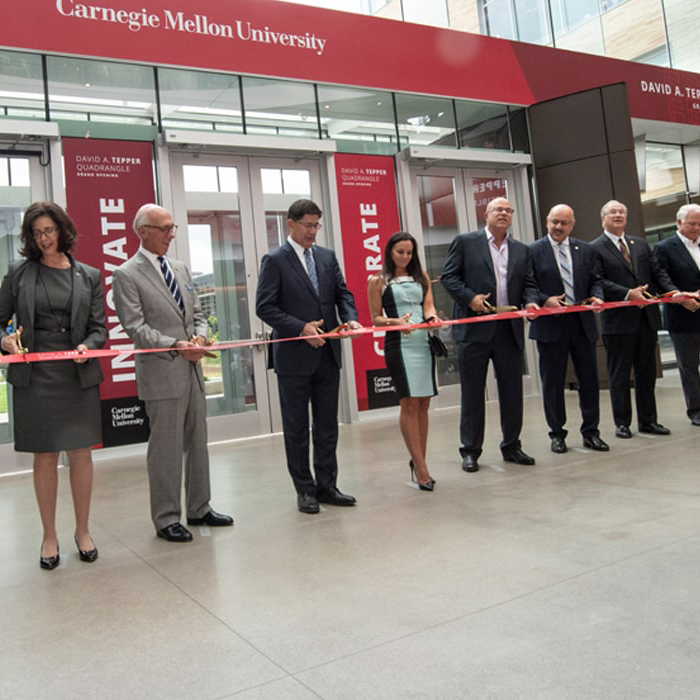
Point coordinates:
pixel 106 183
pixel 293 41
pixel 369 214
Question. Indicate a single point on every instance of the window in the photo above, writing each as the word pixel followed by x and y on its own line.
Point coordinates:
pixel 199 100
pixel 496 19
pixel 482 125
pixel 360 120
pixel 532 20
pixel 21 86
pixel 280 108
pixel 102 94
pixel 425 121
pixel 210 178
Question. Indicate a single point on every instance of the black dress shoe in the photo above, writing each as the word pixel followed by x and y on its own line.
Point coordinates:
pixel 518 456
pixel 623 431
pixel 654 429
pixel 213 519
pixel 307 503
pixel 332 496
pixel 594 442
pixel 50 563
pixel 558 445
pixel 88 555
pixel 470 463
pixel 695 420
pixel 175 532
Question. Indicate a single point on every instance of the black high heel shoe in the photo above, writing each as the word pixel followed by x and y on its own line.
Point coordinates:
pixel 427 486
pixel 50 563
pixel 88 555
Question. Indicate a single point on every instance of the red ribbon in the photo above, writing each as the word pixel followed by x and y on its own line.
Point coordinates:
pixel 342 332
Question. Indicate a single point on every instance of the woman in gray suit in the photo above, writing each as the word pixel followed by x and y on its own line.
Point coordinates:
pixel 57 304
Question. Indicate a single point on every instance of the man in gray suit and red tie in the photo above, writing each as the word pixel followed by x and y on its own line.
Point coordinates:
pixel 566 271
pixel 679 257
pixel 158 307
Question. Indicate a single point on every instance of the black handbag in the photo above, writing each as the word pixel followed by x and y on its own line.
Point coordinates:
pixel 437 347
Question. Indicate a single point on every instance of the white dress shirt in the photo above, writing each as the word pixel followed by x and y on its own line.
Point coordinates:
pixel 499 257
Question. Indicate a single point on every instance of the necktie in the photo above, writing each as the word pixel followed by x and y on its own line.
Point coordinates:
pixel 311 268
pixel 625 252
pixel 171 282
pixel 566 276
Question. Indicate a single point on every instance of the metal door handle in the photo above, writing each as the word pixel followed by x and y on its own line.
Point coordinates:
pixel 261 336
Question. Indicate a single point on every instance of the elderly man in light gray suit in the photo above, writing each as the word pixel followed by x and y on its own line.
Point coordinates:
pixel 158 307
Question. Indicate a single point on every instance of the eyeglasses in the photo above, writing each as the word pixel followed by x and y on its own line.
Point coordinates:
pixel 502 210
pixel 310 227
pixel 163 229
pixel 48 231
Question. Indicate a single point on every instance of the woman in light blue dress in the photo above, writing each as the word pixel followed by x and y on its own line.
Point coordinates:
pixel 402 295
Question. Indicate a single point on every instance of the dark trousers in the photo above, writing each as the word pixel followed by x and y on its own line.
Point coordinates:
pixel 507 360
pixel 687 348
pixel 626 351
pixel 320 390
pixel 553 361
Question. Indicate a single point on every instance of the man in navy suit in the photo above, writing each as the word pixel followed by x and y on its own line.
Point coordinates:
pixel 482 269
pixel 301 292
pixel 566 271
pixel 679 257
pixel 628 271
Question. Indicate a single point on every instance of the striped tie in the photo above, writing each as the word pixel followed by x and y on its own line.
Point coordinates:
pixel 566 276
pixel 625 251
pixel 311 268
pixel 171 282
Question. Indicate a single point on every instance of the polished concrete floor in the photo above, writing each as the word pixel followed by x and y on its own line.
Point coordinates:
pixel 576 578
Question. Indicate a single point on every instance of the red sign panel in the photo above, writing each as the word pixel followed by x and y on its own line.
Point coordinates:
pixel 265 37
pixel 106 183
pixel 369 214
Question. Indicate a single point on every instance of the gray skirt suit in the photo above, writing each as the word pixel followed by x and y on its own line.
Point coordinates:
pixel 56 404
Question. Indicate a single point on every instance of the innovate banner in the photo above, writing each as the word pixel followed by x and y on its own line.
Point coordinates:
pixel 369 214
pixel 106 183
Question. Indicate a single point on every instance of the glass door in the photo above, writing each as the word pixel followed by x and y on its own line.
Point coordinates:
pixel 446 202
pixel 22 182
pixel 235 208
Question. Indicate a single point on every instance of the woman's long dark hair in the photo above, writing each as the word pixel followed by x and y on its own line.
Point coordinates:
pixel 66 229
pixel 414 268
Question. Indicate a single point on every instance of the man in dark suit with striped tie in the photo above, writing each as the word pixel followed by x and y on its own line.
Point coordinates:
pixel 630 334
pixel 566 270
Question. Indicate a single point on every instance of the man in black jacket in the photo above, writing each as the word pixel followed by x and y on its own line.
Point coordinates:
pixel 679 257
pixel 482 268
pixel 566 270
pixel 630 334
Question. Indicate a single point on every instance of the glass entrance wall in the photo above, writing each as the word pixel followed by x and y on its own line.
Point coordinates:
pixel 107 99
